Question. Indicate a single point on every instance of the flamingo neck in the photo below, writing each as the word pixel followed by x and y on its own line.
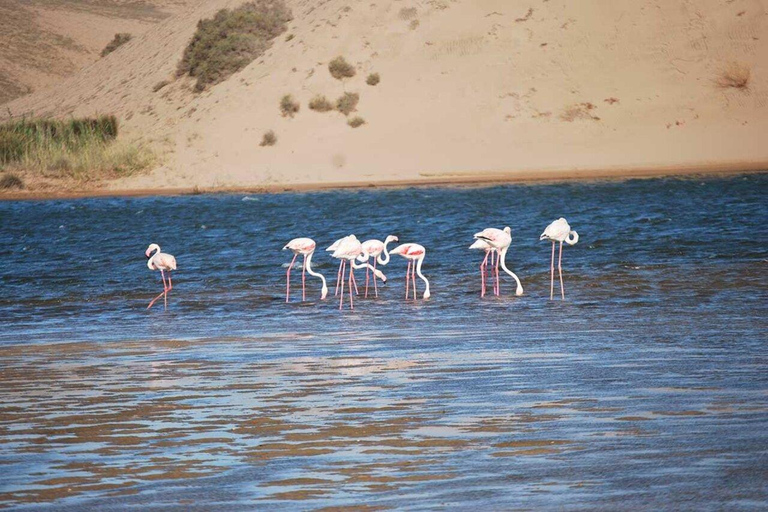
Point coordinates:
pixel 572 238
pixel 316 274
pixel 385 259
pixel 418 272
pixel 503 262
pixel 151 260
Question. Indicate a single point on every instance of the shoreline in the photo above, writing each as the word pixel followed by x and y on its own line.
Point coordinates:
pixel 445 179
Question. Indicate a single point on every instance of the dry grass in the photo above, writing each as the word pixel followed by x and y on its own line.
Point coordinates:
pixel 407 13
pixel 288 106
pixel 373 79
pixel 268 139
pixel 159 85
pixel 9 181
pixel 356 121
pixel 340 68
pixel 232 39
pixel 347 103
pixel 320 104
pixel 119 40
pixel 734 76
pixel 579 111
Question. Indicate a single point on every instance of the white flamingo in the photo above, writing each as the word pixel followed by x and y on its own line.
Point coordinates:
pixel 482 245
pixel 164 263
pixel 414 253
pixel 558 231
pixel 306 247
pixel 375 248
pixel 349 249
pixel 500 239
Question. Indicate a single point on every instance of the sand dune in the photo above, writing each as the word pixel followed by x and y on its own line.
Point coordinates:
pixel 468 89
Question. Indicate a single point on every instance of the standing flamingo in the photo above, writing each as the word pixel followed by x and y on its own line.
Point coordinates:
pixel 305 246
pixel 331 249
pixel 374 248
pixel 558 231
pixel 349 249
pixel 414 253
pixel 500 239
pixel 484 246
pixel 164 263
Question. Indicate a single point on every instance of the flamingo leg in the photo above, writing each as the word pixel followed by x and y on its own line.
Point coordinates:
pixel 338 278
pixel 304 280
pixel 413 279
pixel 552 274
pixel 482 274
pixel 375 288
pixel 351 282
pixel 352 275
pixel 407 279
pixel 341 280
pixel 498 283
pixel 366 281
pixel 165 289
pixel 288 279
pixel 560 270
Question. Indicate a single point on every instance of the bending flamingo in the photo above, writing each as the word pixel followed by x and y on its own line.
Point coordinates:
pixel 414 253
pixel 500 240
pixel 558 231
pixel 374 248
pixel 489 251
pixel 349 249
pixel 164 263
pixel 305 246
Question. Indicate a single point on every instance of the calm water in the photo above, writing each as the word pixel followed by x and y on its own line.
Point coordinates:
pixel 647 388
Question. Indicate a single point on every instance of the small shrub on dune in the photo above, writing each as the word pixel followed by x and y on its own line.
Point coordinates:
pixel 9 181
pixel 373 79
pixel 119 40
pixel 268 139
pixel 356 121
pixel 734 76
pixel 159 85
pixel 320 104
pixel 341 69
pixel 288 106
pixel 347 103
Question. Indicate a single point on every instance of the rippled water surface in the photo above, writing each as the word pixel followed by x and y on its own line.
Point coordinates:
pixel 646 388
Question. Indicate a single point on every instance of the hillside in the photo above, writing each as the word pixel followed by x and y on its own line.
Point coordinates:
pixel 469 89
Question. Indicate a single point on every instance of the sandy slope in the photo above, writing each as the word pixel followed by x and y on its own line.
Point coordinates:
pixel 469 88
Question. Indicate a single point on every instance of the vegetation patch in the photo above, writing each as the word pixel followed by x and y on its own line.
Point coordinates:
pixel 232 39
pixel 119 40
pixel 268 139
pixel 159 85
pixel 373 79
pixel 320 104
pixel 356 121
pixel 347 103
pixel 579 111
pixel 734 76
pixel 76 149
pixel 288 106
pixel 9 181
pixel 341 69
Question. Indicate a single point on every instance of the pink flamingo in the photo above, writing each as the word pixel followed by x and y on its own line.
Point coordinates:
pixel 164 263
pixel 558 231
pixel 414 253
pixel 484 246
pixel 342 263
pixel 500 240
pixel 374 248
pixel 306 247
pixel 349 249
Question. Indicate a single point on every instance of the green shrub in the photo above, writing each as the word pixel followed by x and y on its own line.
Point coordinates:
pixel 347 103
pixel 320 104
pixel 373 79
pixel 288 106
pixel 340 68
pixel 10 181
pixel 356 121
pixel 232 39
pixel 119 40
pixel 268 139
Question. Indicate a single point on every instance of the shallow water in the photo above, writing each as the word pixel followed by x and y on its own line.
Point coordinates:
pixel 645 388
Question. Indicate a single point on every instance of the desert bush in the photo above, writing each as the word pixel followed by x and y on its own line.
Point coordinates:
pixel 320 104
pixel 159 85
pixel 268 139
pixel 373 79
pixel 347 103
pixel 356 121
pixel 232 39
pixel 407 13
pixel 340 68
pixel 734 76
pixel 288 106
pixel 119 40
pixel 10 180
pixel 289 37
pixel 579 111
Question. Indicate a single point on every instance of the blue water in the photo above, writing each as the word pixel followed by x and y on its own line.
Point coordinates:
pixel 645 388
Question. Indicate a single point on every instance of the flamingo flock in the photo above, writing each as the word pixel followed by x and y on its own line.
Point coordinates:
pixel 349 250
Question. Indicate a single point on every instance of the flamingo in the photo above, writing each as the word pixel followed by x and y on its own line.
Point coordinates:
pixel 414 253
pixel 558 231
pixel 374 248
pixel 305 246
pixel 349 249
pixel 483 245
pixel 162 262
pixel 342 266
pixel 500 240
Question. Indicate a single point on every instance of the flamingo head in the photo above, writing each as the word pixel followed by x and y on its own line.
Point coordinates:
pixel 391 238
pixel 380 275
pixel 324 292
pixel 152 248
